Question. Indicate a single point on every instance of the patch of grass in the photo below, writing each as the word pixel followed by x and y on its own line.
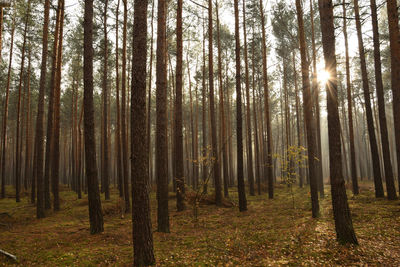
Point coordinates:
pixel 270 233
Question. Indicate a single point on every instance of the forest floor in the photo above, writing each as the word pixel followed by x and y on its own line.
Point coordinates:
pixel 270 233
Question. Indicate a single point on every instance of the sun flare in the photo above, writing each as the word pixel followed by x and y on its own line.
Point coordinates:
pixel 323 76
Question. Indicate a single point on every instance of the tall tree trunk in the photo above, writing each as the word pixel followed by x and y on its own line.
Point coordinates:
pixel 222 110
pixel 394 34
pixel 391 189
pixel 105 167
pixel 38 155
pixel 18 139
pixel 299 143
pixel 214 141
pixel 239 129
pixel 95 213
pixel 5 114
pixel 308 115
pixel 268 149
pixel 350 107
pixel 315 87
pixel 370 120
pixel 117 133
pixel 162 121
pixel 28 134
pixel 149 147
pixel 343 223
pixel 248 119
pixel 50 113
pixel 141 220
pixel 179 175
pixel 123 112
pixel 204 114
pixel 56 131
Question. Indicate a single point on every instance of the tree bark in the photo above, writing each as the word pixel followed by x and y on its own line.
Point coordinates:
pixel 350 108
pixel 391 189
pixel 123 112
pixel 38 155
pixel 214 141
pixel 95 212
pixel 161 121
pixel 268 169
pixel 106 173
pixel 179 171
pixel 308 115
pixel 141 220
pixel 343 223
pixel 394 34
pixel 370 120
pixel 239 129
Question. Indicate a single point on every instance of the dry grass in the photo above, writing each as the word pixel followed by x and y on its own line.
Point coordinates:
pixel 271 233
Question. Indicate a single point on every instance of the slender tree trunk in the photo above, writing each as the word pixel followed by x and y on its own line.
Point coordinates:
pixel 105 170
pixel 299 143
pixel 18 131
pixel 222 110
pixel 391 190
pixel 204 114
pixel 117 133
pixel 38 155
pixel 179 175
pixel 28 173
pixel 56 132
pixel 5 114
pixel 394 34
pixel 123 112
pixel 149 147
pixel 350 107
pixel 343 223
pixel 308 115
pixel 95 213
pixel 268 157
pixel 239 130
pixel 248 119
pixel 141 220
pixel 161 122
pixel 50 113
pixel 370 120
pixel 315 87
pixel 214 141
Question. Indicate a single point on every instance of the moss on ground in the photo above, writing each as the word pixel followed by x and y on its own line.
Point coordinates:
pixel 270 233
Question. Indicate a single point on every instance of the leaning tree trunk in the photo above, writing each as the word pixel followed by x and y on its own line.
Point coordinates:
pixel 308 115
pixel 95 213
pixel 141 220
pixel 370 120
pixel 341 212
